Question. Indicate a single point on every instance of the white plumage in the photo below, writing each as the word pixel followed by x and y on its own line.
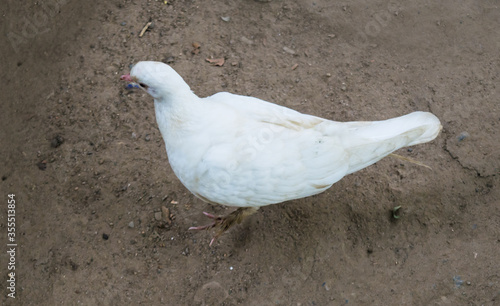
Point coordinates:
pixel 242 151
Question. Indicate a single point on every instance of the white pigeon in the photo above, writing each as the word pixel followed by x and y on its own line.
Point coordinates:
pixel 245 152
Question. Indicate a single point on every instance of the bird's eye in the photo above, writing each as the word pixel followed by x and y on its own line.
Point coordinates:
pixel 143 85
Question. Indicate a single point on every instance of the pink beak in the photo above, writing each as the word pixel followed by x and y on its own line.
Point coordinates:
pixel 126 77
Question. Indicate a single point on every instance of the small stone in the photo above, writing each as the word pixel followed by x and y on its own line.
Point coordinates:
pixel 147 138
pixel 42 165
pixel 328 75
pixel 158 216
pixel 169 60
pixel 131 224
pixel 225 18
pixel 288 50
pixel 105 236
pixel 56 141
pixel 462 136
pixel 123 23
pixel 246 40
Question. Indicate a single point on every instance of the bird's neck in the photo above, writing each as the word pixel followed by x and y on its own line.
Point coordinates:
pixel 175 115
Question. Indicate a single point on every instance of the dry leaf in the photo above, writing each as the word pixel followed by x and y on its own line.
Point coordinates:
pixel 166 214
pixel 216 61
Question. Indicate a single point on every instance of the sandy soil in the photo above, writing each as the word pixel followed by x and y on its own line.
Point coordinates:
pixel 87 164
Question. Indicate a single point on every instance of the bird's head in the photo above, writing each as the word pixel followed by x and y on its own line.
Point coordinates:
pixel 157 79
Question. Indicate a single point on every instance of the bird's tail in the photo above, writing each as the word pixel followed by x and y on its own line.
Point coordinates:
pixel 368 142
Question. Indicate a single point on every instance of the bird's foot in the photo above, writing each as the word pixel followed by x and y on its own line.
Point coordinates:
pixel 222 224
pixel 217 220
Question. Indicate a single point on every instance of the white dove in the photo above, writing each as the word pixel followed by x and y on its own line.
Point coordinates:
pixel 245 152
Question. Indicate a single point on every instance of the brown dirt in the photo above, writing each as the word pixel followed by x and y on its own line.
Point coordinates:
pixel 85 158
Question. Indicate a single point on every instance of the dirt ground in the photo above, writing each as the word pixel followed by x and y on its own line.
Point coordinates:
pixel 87 164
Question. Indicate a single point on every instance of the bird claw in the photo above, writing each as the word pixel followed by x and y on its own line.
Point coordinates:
pixel 222 224
pixel 208 226
pixel 210 215
pixel 198 228
pixel 217 221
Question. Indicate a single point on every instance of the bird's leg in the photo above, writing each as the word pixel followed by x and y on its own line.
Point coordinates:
pixel 222 224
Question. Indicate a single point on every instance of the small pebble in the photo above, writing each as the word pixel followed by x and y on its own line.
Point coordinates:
pixel 462 136
pixel 123 23
pixel 43 165
pixel 158 216
pixel 288 50
pixel 131 224
pixel 246 40
pixel 225 18
pixel 147 138
pixel 105 236
pixel 57 141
